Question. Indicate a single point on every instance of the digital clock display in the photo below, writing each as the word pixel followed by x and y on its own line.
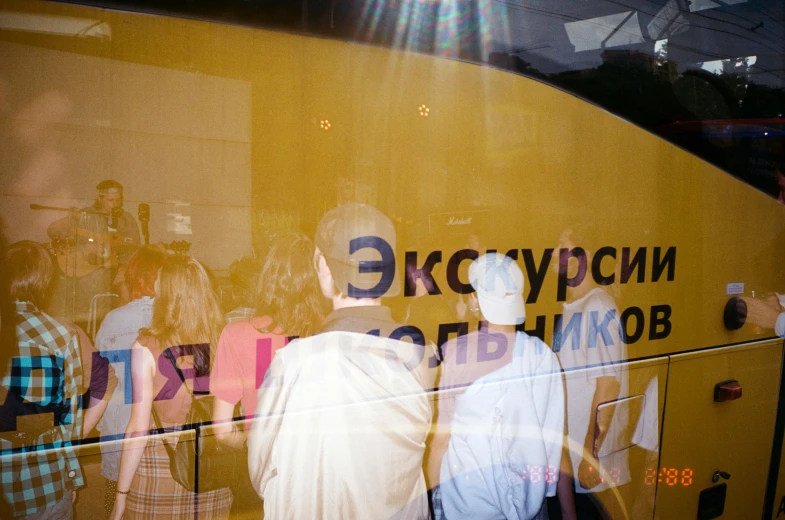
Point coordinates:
pixel 669 476
pixel 613 475
pixel 536 473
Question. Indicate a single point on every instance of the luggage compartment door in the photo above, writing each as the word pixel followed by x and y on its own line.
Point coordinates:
pixel 720 411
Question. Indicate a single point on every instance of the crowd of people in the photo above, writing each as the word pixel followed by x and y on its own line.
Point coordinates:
pixel 337 409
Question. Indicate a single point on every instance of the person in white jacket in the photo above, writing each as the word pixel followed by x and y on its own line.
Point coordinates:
pixel 342 416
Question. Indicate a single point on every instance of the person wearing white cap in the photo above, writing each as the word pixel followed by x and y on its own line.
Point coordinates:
pixel 500 411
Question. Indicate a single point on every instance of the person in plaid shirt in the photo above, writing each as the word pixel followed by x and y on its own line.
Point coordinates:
pixel 38 479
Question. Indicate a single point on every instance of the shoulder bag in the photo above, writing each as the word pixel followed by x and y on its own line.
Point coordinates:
pixel 204 463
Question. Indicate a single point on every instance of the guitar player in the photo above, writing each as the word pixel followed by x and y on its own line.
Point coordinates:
pixel 106 236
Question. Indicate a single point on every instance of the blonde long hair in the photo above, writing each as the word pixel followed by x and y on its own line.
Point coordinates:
pixel 186 311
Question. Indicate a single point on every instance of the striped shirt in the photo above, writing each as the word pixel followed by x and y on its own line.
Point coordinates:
pixel 37 464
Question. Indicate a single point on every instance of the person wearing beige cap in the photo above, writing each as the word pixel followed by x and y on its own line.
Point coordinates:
pixel 343 415
pixel 500 419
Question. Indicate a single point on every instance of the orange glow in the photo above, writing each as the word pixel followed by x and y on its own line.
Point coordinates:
pixel 673 476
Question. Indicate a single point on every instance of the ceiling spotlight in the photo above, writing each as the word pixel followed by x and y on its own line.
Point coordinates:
pixel 324 124
pixel 424 110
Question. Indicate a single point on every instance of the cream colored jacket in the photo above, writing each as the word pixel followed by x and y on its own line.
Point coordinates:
pixel 341 428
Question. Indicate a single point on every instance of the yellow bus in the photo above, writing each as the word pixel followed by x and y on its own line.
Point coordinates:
pixel 632 148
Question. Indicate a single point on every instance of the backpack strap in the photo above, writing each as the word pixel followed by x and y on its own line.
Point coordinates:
pixel 169 449
pixel 159 426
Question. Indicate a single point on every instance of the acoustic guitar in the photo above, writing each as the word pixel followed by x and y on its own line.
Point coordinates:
pixel 97 252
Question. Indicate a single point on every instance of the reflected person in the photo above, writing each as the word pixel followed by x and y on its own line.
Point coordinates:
pixel 500 420
pixel 106 236
pixel 767 313
pixel 185 327
pixel 288 303
pixel 8 351
pixel 425 309
pixel 588 334
pixel 342 416
pixel 118 332
pixel 44 383
pixel 105 216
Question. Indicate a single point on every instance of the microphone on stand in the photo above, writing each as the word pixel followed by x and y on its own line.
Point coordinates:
pixel 144 218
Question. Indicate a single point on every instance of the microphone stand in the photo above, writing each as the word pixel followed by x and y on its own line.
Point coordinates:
pixel 144 219
pixel 146 232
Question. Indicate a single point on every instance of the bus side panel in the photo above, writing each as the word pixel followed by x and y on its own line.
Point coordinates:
pixel 701 436
pixel 779 497
pixel 775 493
pixel 628 456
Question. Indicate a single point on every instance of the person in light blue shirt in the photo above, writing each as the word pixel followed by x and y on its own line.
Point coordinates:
pixel 504 452
pixel 118 332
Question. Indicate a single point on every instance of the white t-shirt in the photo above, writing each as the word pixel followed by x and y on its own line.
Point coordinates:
pixel 779 325
pixel 597 344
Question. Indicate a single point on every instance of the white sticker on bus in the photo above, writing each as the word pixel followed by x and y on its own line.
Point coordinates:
pixel 735 288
